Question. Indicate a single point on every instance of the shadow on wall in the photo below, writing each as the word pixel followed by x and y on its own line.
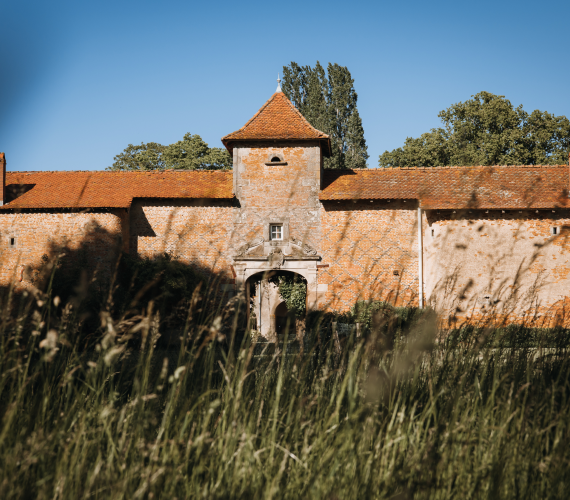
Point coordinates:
pixel 92 279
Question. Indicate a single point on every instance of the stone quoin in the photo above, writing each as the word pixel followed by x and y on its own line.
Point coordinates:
pixel 466 240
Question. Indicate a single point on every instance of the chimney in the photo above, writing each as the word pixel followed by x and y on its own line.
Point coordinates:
pixel 3 174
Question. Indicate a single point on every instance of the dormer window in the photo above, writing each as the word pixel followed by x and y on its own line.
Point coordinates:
pixel 276 232
pixel 275 159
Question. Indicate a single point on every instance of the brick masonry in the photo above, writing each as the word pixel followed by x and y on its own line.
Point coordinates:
pixel 26 237
pixel 505 261
pixel 198 232
pixel 371 250
pixel 285 192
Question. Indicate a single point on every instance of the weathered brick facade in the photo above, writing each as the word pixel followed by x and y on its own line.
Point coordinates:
pixel 197 232
pixel 371 251
pixel 27 237
pixel 492 238
pixel 508 261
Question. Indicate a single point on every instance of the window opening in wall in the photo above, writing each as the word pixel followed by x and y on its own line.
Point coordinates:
pixel 275 158
pixel 12 242
pixel 432 233
pixel 276 232
pixel 554 230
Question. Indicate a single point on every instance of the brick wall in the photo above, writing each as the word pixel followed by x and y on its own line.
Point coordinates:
pixel 505 261
pixel 198 232
pixel 365 244
pixel 38 234
pixel 276 193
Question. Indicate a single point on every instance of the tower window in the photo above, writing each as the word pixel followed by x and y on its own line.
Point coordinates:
pixel 12 241
pixel 274 158
pixel 276 232
pixel 554 230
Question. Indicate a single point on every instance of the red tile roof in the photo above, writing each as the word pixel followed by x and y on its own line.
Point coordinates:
pixel 278 118
pixel 455 187
pixel 111 189
pixel 437 188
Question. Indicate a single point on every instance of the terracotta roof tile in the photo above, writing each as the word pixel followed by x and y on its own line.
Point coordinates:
pixel 277 119
pixel 110 189
pixel 455 187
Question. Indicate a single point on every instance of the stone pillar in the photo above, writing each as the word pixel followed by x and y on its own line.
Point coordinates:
pixel 312 289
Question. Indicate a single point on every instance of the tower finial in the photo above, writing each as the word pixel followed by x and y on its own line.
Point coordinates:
pixel 278 83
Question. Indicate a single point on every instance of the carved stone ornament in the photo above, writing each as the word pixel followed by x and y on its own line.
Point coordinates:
pixel 276 258
pixel 241 251
pixel 307 249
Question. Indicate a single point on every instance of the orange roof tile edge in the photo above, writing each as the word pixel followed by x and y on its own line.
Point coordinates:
pixel 528 186
pixel 89 189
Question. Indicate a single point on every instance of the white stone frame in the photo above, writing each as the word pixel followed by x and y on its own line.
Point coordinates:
pixel 276 221
pixel 245 268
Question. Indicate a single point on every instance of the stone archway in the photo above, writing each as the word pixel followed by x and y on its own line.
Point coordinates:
pixel 267 308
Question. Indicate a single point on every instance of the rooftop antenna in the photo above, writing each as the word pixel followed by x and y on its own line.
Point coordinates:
pixel 278 83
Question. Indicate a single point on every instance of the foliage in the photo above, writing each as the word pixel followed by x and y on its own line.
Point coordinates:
pixel 293 290
pixel 424 421
pixel 383 315
pixel 328 101
pixel 191 153
pixel 514 336
pixel 487 130
pixel 163 279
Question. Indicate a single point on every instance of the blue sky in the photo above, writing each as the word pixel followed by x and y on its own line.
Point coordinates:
pixel 81 80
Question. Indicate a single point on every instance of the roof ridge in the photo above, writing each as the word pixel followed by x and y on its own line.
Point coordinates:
pixel 444 167
pixel 115 172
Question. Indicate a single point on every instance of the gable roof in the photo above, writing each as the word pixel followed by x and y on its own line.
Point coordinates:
pixel 32 190
pixel 517 187
pixel 277 119
pixel 455 187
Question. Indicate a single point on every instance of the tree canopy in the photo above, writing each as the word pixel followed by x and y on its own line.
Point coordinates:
pixel 328 101
pixel 191 153
pixel 487 130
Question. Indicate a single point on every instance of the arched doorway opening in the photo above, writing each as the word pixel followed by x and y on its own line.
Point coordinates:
pixel 277 301
pixel 284 320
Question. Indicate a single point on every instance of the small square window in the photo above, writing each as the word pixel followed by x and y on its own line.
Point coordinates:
pixel 276 232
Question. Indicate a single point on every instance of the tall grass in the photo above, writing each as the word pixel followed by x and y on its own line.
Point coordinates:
pixel 223 417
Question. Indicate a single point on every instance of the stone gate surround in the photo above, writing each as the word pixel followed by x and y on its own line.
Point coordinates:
pixel 306 266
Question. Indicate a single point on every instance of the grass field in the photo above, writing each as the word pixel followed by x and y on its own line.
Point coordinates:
pixel 394 415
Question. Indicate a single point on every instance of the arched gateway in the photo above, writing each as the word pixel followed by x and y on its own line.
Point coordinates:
pixel 269 315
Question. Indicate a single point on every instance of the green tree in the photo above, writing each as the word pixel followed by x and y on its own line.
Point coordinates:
pixel 328 101
pixel 191 153
pixel 487 130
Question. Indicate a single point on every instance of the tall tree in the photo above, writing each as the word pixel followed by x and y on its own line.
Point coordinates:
pixel 328 101
pixel 487 130
pixel 191 153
